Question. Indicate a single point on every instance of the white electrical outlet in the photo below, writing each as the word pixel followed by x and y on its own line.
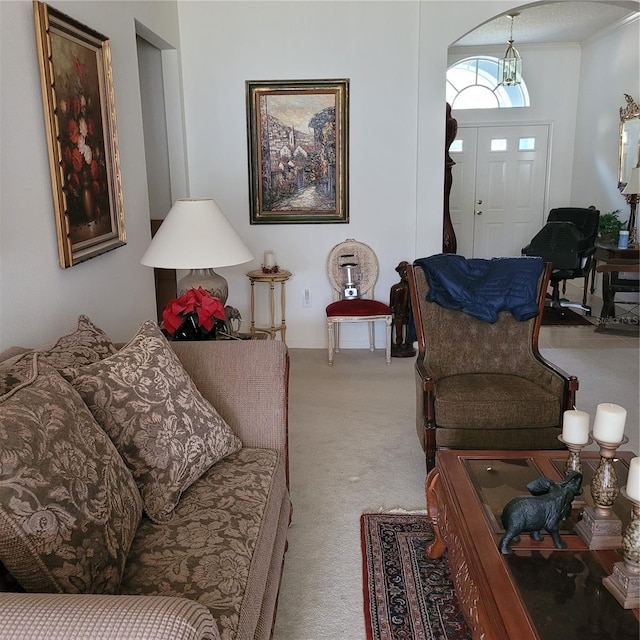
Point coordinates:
pixel 306 298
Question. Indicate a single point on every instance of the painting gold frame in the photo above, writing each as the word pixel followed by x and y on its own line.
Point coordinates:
pixel 629 140
pixel 80 123
pixel 298 134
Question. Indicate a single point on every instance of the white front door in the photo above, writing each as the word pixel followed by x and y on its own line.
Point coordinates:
pixel 499 186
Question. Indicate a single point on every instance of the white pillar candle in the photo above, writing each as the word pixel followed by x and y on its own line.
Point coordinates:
pixel 269 259
pixel 608 425
pixel 575 427
pixel 633 479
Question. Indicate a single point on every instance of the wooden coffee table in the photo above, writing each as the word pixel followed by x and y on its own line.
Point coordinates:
pixel 537 592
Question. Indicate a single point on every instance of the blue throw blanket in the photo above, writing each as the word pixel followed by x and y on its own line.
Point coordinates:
pixel 483 288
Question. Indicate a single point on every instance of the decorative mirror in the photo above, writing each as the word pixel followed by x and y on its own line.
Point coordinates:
pixel 629 152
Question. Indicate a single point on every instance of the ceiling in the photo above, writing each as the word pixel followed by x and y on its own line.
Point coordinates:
pixel 563 21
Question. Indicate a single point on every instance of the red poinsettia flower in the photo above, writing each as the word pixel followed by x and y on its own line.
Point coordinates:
pixel 195 304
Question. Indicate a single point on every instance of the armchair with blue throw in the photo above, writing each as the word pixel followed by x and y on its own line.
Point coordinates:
pixel 481 382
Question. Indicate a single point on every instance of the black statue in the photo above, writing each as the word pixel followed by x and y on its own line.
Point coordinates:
pixel 549 505
pixel 401 346
pixel 449 242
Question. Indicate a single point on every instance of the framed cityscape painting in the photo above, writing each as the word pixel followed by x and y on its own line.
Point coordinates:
pixel 298 134
pixel 80 123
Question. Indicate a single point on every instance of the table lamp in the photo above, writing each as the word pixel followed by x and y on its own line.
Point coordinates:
pixel 197 236
pixel 632 191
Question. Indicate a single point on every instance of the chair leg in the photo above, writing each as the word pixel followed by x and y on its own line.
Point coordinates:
pixel 372 336
pixel 430 448
pixel 389 323
pixel 429 422
pixel 331 341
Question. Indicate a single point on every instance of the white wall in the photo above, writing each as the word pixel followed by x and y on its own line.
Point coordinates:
pixel 394 54
pixel 38 299
pixel 610 68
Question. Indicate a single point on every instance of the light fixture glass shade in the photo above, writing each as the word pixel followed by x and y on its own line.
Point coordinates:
pixel 196 235
pixel 633 186
pixel 510 67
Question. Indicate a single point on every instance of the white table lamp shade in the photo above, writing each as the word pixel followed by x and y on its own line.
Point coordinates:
pixel 195 235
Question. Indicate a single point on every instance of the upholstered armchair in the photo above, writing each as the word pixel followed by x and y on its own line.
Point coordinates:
pixel 483 385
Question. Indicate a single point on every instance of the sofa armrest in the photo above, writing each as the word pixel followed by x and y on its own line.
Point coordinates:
pixel 49 616
pixel 247 382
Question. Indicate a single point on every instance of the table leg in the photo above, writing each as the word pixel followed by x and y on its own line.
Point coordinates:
pixel 253 308
pixel 283 329
pixel 437 546
pixel 608 305
pixel 272 307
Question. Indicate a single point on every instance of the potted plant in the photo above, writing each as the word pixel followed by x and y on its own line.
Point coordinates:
pixel 610 226
pixel 195 315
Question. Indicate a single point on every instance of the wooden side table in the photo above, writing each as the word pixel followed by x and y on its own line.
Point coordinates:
pixel 271 278
pixel 606 251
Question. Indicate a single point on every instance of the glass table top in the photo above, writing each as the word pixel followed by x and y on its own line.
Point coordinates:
pixel 565 596
pixel 562 589
pixel 496 481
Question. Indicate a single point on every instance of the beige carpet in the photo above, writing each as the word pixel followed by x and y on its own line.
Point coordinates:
pixel 354 449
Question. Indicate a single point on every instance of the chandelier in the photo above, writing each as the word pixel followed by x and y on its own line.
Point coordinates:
pixel 510 66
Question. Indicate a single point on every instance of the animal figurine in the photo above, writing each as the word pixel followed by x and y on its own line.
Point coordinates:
pixel 233 320
pixel 549 505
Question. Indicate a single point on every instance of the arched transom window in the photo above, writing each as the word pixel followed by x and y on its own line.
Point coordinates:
pixel 473 83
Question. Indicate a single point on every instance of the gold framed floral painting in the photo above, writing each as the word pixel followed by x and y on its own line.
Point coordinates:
pixel 298 134
pixel 80 122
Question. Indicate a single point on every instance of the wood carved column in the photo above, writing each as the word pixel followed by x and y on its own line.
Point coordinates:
pixel 449 244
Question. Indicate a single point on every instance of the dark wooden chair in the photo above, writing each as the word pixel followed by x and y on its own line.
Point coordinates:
pixel 481 385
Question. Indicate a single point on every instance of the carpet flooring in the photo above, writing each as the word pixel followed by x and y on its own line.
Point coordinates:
pixel 406 595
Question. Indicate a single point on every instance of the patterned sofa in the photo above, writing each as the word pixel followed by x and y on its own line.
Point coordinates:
pixel 143 489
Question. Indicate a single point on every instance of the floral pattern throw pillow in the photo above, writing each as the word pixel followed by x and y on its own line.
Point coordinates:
pixel 166 431
pixel 87 343
pixel 69 507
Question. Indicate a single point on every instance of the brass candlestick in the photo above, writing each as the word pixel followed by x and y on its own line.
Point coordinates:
pixel 573 460
pixel 599 527
pixel 624 582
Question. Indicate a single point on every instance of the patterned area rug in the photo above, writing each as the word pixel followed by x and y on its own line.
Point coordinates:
pixel 406 595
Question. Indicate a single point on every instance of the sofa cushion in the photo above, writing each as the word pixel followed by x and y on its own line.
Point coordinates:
pixel 87 343
pixel 218 547
pixel 69 507
pixel 167 433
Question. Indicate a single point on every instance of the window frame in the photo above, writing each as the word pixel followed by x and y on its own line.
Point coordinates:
pixel 486 81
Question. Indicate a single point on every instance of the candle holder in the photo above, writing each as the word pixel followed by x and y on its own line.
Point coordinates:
pixel 624 582
pixel 573 461
pixel 599 527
